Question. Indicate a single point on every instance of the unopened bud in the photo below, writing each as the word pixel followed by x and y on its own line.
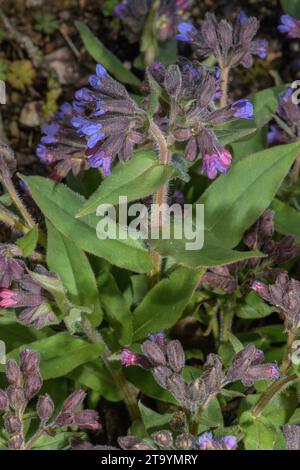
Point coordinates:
pixel 29 361
pixel 163 438
pixel 153 353
pixel 133 443
pixel 196 391
pixel 74 400
pixel 178 421
pixel 184 441
pixel 16 397
pixel 175 354
pixel 161 374
pixel 177 386
pixel 13 372
pixel 4 403
pixel 173 81
pixel 45 408
pixel 12 423
pixel 16 442
pixel 87 419
pixel 32 385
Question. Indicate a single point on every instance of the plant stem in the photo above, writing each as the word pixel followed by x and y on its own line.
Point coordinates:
pixel 271 391
pixel 95 337
pixel 286 360
pixel 17 201
pixel 160 198
pixel 34 438
pixel 224 85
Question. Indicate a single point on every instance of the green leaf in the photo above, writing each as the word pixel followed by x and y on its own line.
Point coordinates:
pixel 60 354
pixel 235 343
pixel 254 307
pixel 260 433
pixel 135 179
pixel 57 442
pixel 236 200
pixel 60 205
pixel 14 334
pixel 73 267
pixel 95 376
pixel 117 311
pixel 212 253
pixel 227 135
pixel 292 7
pixel 287 219
pixel 104 57
pixel 152 419
pixel 164 304
pixel 29 241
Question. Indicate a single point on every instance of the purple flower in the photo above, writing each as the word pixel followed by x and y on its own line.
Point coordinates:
pixel 129 358
pixel 100 159
pixel 217 162
pixel 50 131
pixel 44 154
pixel 260 48
pixel 186 32
pixel 243 109
pixel 289 25
pixel 207 442
pixel 120 10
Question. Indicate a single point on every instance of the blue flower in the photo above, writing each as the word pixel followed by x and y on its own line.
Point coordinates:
pixel 100 159
pixel 261 48
pixel 50 131
pixel 186 31
pixel 289 25
pixel 242 17
pixel 43 153
pixel 243 109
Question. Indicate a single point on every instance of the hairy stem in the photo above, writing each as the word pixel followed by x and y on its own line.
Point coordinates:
pixel 271 392
pixel 34 438
pixel 224 85
pixel 95 337
pixel 287 360
pixel 7 182
pixel 160 198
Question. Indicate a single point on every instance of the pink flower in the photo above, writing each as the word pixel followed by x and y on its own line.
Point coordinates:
pixel 218 161
pixel 8 298
pixel 129 358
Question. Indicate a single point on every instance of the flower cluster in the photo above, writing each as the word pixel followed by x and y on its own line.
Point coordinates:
pixel 25 381
pixel 11 266
pixel 102 122
pixel 167 15
pixel 166 360
pixel 192 90
pixel 289 25
pixel 163 440
pixel 284 294
pixel 231 45
pixel 34 301
pixel 258 237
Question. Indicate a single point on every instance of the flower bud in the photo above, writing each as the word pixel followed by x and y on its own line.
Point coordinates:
pixel 29 361
pixel 173 81
pixel 16 442
pixel 163 438
pixel 133 443
pixel 4 403
pixel 178 421
pixel 16 397
pixel 87 419
pixel 196 391
pixel 45 408
pixel 184 441
pixel 160 375
pixel 153 353
pixel 13 372
pixel 64 419
pixel 32 385
pixel 12 423
pixel 74 400
pixel 177 386
pixel 175 354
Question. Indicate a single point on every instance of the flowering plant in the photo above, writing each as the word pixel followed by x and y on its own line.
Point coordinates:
pixel 192 332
